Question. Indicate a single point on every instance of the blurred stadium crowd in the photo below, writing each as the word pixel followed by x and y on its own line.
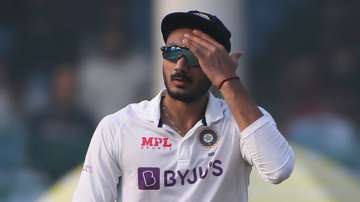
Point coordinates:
pixel 66 64
pixel 308 73
pixel 63 66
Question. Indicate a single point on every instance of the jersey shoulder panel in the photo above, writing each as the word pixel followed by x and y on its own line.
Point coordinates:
pixel 132 112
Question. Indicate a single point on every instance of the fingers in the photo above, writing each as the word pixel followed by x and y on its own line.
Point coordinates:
pixel 203 46
pixel 199 46
pixel 195 48
pixel 199 41
pixel 207 38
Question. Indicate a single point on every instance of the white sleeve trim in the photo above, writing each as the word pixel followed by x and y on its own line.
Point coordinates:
pixel 281 173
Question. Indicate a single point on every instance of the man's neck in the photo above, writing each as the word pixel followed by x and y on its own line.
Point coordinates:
pixel 184 115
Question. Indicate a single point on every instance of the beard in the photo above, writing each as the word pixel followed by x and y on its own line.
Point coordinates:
pixel 190 94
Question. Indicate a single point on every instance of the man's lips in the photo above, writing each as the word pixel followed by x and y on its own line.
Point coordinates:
pixel 177 80
pixel 180 78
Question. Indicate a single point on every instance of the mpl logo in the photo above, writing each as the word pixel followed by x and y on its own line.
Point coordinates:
pixel 149 178
pixel 155 143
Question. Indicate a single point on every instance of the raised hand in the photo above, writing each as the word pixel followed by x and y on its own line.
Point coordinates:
pixel 213 58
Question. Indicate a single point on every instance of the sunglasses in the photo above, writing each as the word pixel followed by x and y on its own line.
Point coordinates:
pixel 173 53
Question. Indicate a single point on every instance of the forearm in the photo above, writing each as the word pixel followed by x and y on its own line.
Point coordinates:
pixel 262 144
pixel 242 107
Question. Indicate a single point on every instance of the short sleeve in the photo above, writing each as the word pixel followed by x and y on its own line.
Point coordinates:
pixel 101 171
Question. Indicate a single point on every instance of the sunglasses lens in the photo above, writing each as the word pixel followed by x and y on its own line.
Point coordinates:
pixel 171 53
pixel 190 58
pixel 174 53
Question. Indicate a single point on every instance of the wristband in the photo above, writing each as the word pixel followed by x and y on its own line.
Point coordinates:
pixel 228 79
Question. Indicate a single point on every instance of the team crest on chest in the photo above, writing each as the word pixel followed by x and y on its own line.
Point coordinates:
pixel 208 137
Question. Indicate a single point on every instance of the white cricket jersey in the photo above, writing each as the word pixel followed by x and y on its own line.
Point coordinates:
pixel 132 157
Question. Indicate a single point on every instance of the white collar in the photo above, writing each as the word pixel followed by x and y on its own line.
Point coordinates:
pixel 214 109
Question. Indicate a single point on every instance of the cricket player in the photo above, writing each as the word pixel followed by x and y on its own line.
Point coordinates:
pixel 185 144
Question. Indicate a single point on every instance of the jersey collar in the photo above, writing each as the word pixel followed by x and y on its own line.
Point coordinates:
pixel 214 109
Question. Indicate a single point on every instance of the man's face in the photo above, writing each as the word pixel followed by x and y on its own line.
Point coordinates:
pixel 183 82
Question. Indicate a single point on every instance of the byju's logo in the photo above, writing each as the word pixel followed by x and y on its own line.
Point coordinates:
pixel 149 178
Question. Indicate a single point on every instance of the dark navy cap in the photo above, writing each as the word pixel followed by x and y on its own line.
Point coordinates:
pixel 205 22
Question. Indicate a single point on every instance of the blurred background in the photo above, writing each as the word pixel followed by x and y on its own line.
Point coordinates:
pixel 66 64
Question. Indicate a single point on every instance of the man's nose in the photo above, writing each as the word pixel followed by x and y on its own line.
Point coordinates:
pixel 181 65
